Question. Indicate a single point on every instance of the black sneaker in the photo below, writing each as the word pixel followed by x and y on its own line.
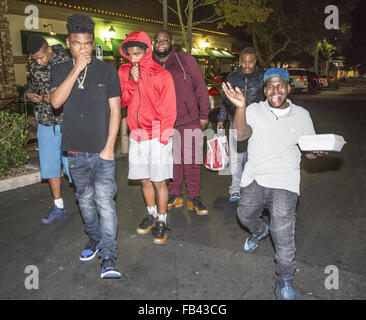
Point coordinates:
pixel 146 225
pixel 196 205
pixel 108 270
pixel 159 233
pixel 91 249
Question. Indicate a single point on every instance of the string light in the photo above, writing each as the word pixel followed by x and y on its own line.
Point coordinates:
pixel 113 13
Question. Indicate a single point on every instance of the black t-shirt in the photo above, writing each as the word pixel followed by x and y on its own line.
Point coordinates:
pixel 87 111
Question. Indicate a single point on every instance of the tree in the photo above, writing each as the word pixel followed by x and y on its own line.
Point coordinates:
pixel 287 26
pixel 326 50
pixel 186 16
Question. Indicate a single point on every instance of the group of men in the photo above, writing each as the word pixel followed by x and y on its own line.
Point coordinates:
pixel 168 109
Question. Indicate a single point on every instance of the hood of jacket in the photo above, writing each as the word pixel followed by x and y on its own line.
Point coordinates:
pixel 137 38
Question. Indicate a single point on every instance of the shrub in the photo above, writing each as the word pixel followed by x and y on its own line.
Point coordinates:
pixel 13 137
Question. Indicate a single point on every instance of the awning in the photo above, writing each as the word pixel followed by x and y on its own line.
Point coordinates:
pixel 219 54
pixel 197 52
pixel 51 40
pixel 116 44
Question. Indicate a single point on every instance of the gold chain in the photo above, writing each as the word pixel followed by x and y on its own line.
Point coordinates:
pixel 81 83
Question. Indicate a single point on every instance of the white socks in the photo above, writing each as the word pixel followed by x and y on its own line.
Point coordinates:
pixel 162 217
pixel 153 210
pixel 59 203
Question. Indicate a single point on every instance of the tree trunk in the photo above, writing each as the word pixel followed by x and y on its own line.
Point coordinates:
pixel 256 48
pixel 181 22
pixel 190 26
pixel 316 61
pixel 165 14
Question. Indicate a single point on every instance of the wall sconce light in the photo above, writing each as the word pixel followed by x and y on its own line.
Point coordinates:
pixel 52 33
pixel 204 44
pixel 110 35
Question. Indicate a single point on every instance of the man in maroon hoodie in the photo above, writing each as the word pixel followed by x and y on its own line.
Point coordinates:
pixel 193 108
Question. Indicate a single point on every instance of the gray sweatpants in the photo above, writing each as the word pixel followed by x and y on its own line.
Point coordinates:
pixel 281 204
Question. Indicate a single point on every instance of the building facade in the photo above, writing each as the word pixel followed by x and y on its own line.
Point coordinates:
pixel 7 74
pixel 48 18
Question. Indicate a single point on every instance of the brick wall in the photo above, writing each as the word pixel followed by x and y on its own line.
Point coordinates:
pixel 7 75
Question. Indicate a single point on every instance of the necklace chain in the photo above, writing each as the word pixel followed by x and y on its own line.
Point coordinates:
pixel 81 83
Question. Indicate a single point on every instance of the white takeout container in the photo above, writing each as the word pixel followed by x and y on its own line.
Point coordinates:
pixel 321 142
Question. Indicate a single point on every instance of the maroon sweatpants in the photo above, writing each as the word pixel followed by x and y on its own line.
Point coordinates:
pixel 188 158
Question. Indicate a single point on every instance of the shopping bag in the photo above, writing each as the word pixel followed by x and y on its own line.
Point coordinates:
pixel 218 156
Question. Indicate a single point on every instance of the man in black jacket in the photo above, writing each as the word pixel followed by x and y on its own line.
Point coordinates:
pixel 249 78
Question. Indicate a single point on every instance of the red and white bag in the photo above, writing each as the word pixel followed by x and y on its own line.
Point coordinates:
pixel 218 156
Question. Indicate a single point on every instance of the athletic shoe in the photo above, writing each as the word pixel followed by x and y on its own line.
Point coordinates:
pixel 235 197
pixel 54 215
pixel 253 241
pixel 160 233
pixel 146 225
pixel 175 201
pixel 287 289
pixel 91 250
pixel 108 270
pixel 196 205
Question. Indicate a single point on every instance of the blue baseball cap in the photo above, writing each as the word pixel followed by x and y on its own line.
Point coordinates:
pixel 276 72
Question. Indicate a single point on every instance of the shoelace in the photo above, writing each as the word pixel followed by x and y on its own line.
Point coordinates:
pixel 146 222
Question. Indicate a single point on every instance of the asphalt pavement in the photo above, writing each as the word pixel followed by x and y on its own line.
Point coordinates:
pixel 203 258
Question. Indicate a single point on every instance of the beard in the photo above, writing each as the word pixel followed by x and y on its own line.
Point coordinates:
pixel 163 54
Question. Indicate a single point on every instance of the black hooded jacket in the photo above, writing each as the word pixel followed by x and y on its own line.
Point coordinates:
pixel 250 84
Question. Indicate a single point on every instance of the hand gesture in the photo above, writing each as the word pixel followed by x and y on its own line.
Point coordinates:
pixel 82 60
pixel 135 72
pixel 236 97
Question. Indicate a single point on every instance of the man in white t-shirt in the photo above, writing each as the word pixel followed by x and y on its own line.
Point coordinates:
pixel 271 176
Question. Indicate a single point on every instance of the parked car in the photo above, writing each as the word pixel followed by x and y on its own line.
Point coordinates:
pixel 215 93
pixel 299 79
pixel 325 81
pixel 313 81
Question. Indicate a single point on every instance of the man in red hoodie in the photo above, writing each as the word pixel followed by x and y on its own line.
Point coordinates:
pixel 148 91
pixel 193 108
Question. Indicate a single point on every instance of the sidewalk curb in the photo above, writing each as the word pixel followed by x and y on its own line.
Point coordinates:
pixel 22 180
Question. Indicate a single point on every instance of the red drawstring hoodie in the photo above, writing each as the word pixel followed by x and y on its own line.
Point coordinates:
pixel 151 101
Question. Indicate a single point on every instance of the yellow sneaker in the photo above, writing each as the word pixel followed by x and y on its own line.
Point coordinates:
pixel 195 205
pixel 175 201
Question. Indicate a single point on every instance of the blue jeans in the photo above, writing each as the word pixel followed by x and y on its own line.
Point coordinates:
pixel 281 204
pixel 94 179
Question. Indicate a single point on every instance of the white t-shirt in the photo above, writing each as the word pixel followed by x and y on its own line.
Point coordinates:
pixel 273 154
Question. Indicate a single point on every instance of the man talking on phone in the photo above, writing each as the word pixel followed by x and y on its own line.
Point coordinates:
pixel 49 131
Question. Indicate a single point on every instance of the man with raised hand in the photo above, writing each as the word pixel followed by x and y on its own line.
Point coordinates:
pixel 271 175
